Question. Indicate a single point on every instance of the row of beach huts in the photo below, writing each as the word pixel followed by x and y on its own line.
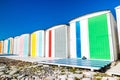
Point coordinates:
pixel 92 36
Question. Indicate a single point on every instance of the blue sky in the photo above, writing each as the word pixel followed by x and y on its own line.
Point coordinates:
pixel 26 16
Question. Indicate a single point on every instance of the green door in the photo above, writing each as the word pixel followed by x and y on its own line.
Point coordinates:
pixel 99 37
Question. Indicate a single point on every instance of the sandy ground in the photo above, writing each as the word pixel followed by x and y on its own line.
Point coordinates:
pixel 29 59
pixel 114 70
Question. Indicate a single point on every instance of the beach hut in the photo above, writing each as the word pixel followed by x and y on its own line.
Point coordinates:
pixel 10 45
pixel 5 47
pixel 1 47
pixel 93 36
pixel 15 47
pixel 117 9
pixel 24 45
pixel 37 43
pixel 57 41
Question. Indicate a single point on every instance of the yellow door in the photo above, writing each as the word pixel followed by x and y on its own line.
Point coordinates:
pixel 33 45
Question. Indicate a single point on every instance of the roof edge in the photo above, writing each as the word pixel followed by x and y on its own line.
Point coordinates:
pixel 56 26
pixel 90 15
pixel 117 7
